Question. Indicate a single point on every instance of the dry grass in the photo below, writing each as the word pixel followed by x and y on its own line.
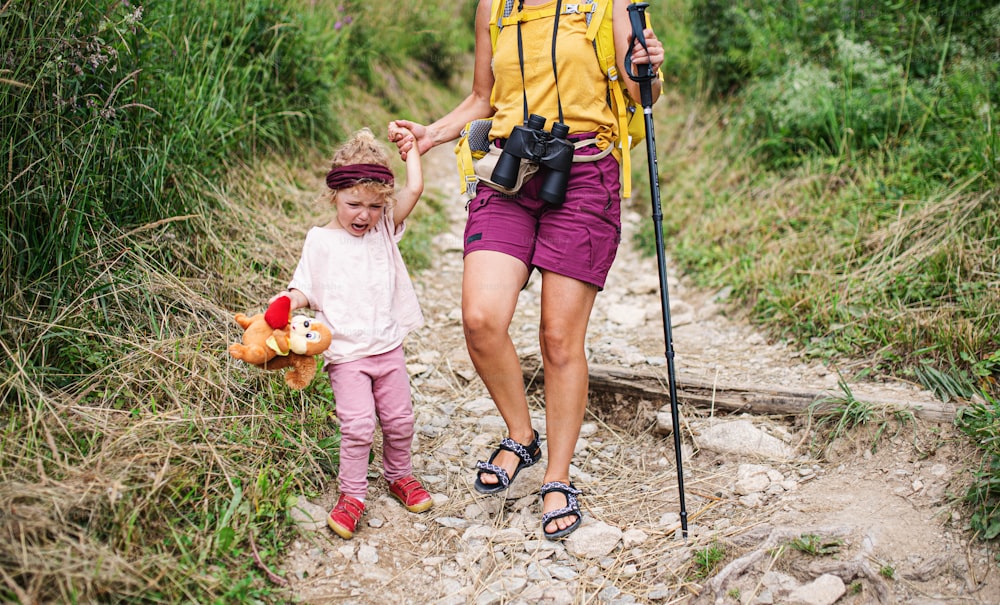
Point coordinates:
pixel 153 471
pixel 106 474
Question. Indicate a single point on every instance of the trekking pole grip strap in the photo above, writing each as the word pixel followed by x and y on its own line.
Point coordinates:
pixel 637 18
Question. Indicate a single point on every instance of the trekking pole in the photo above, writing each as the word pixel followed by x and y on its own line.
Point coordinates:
pixel 637 17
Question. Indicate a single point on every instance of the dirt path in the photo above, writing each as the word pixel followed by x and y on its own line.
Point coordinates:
pixel 870 519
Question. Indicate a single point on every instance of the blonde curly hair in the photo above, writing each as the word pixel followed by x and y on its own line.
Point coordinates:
pixel 364 148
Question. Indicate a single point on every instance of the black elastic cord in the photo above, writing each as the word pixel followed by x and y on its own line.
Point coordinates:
pixel 555 71
pixel 520 61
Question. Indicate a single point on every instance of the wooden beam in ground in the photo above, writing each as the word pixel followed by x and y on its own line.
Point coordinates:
pixel 756 399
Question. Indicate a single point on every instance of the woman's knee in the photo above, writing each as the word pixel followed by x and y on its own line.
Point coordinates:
pixel 559 347
pixel 482 330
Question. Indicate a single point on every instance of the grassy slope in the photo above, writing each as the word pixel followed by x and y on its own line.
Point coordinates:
pixel 138 462
pixel 832 192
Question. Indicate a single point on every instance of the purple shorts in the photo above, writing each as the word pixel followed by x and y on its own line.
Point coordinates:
pixel 578 239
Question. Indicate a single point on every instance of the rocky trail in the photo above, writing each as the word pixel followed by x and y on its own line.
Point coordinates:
pixel 778 511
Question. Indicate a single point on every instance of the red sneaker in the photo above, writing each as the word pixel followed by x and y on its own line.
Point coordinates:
pixel 413 495
pixel 344 517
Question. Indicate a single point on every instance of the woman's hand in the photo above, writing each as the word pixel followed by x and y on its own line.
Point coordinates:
pixel 626 44
pixel 653 54
pixel 400 135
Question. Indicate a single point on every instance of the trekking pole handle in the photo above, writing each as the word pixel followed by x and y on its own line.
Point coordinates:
pixel 637 17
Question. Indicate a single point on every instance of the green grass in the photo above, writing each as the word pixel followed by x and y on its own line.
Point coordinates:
pixel 162 165
pixel 815 545
pixel 705 560
pixel 980 421
pixel 837 417
pixel 834 170
pixel 849 199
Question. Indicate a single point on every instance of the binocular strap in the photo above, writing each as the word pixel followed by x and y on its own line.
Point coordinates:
pixel 589 158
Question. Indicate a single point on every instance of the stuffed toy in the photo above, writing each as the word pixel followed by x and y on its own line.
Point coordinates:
pixel 274 340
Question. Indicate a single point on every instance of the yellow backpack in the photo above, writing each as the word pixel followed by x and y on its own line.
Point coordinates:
pixel 631 124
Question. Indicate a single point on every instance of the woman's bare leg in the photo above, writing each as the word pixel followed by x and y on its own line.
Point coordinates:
pixel 566 307
pixel 491 282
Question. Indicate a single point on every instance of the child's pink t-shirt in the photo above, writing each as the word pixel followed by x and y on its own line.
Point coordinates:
pixel 359 287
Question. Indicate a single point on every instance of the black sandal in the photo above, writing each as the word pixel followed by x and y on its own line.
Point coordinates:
pixel 572 508
pixel 529 454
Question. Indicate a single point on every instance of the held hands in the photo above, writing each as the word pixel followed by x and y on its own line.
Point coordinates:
pixel 409 135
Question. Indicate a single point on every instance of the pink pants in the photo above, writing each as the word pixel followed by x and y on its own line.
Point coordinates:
pixel 370 390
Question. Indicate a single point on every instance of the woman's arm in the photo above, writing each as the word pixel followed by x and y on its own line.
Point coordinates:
pixel 623 38
pixel 475 106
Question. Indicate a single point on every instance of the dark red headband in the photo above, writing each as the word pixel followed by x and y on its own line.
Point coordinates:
pixel 343 177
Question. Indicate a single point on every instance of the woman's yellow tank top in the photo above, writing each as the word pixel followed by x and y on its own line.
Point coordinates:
pixel 582 87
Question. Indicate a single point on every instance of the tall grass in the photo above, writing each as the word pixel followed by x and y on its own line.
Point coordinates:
pixel 856 210
pixel 158 160
pixel 835 171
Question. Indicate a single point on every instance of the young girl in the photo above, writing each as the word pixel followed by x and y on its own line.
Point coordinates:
pixel 352 275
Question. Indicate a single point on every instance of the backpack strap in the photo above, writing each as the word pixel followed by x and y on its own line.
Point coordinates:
pixel 500 8
pixel 601 33
pixel 567 9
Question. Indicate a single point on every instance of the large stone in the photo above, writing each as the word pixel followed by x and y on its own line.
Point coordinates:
pixel 824 590
pixel 741 437
pixel 307 516
pixel 593 540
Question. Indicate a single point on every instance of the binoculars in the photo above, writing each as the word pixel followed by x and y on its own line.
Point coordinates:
pixel 549 150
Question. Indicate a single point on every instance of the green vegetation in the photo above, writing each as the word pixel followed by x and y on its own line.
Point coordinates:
pixel 844 179
pixel 981 422
pixel 161 163
pixel 838 416
pixel 706 559
pixel 816 546
pixel 833 168
pixel 834 164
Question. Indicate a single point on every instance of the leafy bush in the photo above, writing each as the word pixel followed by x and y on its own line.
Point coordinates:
pixel 981 422
pixel 793 113
pixel 721 44
pixel 839 79
pixel 738 42
pixel 430 35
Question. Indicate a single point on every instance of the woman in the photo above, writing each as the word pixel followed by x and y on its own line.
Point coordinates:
pixel 542 65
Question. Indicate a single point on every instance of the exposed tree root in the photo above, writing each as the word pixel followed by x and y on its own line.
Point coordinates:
pixel 753 563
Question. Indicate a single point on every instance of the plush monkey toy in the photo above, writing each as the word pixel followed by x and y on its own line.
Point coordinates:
pixel 274 340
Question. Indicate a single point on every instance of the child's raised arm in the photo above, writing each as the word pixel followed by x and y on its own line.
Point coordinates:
pixel 407 196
